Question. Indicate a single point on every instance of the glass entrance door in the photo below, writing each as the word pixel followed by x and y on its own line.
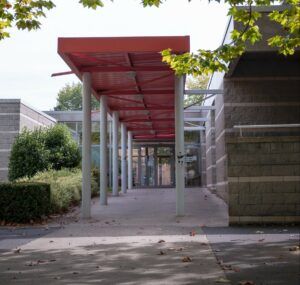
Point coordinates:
pixel 155 166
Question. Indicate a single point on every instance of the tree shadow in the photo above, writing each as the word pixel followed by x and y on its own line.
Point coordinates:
pixel 122 263
pixel 262 254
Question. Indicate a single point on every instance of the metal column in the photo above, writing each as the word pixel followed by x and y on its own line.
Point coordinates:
pixel 86 146
pixel 139 172
pixel 123 158
pixel 110 154
pixel 129 160
pixel 179 144
pixel 103 150
pixel 115 160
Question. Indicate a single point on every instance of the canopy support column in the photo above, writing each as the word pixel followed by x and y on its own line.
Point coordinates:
pixel 103 150
pixel 129 160
pixel 179 144
pixel 86 146
pixel 123 158
pixel 115 154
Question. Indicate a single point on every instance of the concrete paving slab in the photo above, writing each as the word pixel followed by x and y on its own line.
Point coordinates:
pixel 135 240
pixel 259 254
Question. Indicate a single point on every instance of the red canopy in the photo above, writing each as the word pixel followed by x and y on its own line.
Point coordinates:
pixel 130 72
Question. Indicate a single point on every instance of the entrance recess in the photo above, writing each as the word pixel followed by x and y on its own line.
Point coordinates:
pixel 154 166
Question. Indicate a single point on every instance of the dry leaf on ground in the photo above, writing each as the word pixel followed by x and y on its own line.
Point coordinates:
pixel 294 248
pixel 18 250
pixel 222 280
pixel 246 282
pixel 186 259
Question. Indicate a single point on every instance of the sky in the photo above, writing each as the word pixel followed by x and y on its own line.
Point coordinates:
pixel 27 59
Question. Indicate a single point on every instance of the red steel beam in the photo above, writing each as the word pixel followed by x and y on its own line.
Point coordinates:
pixel 150 129
pixel 126 99
pixel 103 69
pixel 61 73
pixel 162 136
pixel 143 83
pixel 145 120
pixel 135 92
pixel 158 108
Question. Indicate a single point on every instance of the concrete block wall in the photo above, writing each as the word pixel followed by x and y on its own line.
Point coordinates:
pixel 210 151
pixel 263 165
pixel 9 129
pixel 14 116
pixel 203 158
pixel 221 155
pixel 31 118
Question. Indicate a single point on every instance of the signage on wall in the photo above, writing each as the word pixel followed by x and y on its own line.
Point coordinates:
pixel 190 158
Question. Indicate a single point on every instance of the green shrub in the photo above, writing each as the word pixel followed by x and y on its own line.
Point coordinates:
pixel 96 175
pixel 63 150
pixel 65 186
pixel 28 155
pixel 41 149
pixel 22 202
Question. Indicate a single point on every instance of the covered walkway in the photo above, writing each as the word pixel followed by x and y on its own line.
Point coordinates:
pixel 141 93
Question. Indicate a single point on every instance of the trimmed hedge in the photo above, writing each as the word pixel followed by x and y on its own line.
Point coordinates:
pixel 65 187
pixel 22 202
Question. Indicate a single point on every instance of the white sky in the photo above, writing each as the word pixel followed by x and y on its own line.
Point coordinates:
pixel 27 59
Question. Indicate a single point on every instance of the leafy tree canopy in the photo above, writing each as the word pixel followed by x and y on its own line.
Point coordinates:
pixel 70 98
pixel 25 14
pixel 197 82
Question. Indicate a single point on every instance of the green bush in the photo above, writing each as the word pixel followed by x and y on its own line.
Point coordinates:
pixel 41 149
pixel 96 175
pixel 22 202
pixel 63 150
pixel 28 155
pixel 65 186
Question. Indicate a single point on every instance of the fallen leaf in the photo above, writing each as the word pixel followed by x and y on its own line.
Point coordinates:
pixel 186 259
pixel 161 241
pixel 246 282
pixel 226 267
pixel 222 280
pixel 161 253
pixel 18 250
pixel 294 248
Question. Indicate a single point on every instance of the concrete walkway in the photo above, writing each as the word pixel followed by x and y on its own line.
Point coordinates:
pixel 135 240
pixel 138 240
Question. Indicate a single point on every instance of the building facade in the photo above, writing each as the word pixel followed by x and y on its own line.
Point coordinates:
pixel 15 115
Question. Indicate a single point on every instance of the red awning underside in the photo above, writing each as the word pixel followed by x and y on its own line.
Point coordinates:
pixel 131 73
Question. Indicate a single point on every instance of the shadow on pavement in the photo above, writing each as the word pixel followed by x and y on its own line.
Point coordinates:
pixel 263 255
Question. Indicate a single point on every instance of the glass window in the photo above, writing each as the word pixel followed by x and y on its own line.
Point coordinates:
pixel 164 151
